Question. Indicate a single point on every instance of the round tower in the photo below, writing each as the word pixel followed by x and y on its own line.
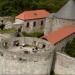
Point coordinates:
pixel 65 16
pixel 25 56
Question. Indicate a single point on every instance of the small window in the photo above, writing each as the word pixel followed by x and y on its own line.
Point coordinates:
pixel 27 25
pixel 42 23
pixel 34 24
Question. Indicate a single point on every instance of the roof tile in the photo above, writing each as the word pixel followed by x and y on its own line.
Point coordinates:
pixel 35 14
pixel 60 34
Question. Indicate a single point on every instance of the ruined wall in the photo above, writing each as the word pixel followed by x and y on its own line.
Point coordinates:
pixel 32 64
pixel 65 65
pixel 27 40
pixel 8 21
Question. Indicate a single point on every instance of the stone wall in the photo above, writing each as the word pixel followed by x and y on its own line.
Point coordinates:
pixel 59 23
pixel 16 67
pixel 31 28
pixel 8 21
pixel 28 40
pixel 65 65
pixel 32 64
pixel 7 18
pixel 48 25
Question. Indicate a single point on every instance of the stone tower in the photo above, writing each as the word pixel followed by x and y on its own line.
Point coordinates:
pixel 65 16
pixel 16 60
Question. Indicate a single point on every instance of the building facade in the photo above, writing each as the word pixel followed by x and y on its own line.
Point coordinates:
pixel 32 21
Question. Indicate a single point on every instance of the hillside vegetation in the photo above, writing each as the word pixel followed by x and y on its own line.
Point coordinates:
pixel 13 7
pixel 70 48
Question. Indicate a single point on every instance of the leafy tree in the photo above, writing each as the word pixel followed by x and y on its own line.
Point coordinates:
pixel 70 48
pixel 14 7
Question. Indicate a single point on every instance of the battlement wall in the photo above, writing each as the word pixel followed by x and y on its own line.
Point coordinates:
pixel 28 64
pixel 7 18
pixel 8 66
pixel 29 41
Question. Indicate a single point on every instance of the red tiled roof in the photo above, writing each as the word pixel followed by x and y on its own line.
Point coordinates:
pixel 60 34
pixel 35 14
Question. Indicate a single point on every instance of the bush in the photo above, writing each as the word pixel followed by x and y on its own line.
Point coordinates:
pixel 34 34
pixel 70 48
pixel 7 30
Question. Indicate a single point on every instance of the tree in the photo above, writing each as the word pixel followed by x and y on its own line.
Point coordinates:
pixel 14 7
pixel 70 48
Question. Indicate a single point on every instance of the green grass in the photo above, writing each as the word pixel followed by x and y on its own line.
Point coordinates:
pixel 7 30
pixel 35 34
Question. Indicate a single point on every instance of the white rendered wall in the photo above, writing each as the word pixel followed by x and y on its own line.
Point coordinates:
pixel 31 28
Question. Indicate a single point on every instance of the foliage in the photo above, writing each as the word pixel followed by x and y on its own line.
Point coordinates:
pixel 7 30
pixel 14 7
pixel 70 48
pixel 34 34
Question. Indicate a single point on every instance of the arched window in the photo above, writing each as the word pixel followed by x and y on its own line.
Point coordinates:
pixel 42 22
pixel 27 24
pixel 34 24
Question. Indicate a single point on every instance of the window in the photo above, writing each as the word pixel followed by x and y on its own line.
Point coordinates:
pixel 34 24
pixel 27 24
pixel 42 23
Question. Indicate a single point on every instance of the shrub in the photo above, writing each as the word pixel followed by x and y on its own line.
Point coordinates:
pixel 70 48
pixel 34 34
pixel 7 30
